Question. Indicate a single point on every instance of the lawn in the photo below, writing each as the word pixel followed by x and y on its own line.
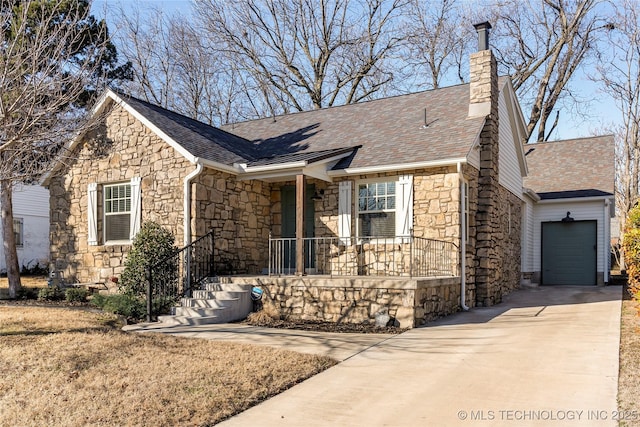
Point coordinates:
pixel 629 379
pixel 75 367
pixel 27 282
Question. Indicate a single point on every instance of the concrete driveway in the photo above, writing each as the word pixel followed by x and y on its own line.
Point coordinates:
pixel 544 357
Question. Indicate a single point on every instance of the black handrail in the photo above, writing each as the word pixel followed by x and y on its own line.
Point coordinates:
pixel 192 263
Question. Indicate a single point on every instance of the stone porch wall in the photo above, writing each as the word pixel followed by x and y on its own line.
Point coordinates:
pixel 410 302
pixel 117 152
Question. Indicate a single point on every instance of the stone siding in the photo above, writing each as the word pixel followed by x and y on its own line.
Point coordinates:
pixel 409 302
pixel 241 213
pixel 117 152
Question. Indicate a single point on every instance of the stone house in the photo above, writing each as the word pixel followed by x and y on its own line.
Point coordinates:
pixel 410 205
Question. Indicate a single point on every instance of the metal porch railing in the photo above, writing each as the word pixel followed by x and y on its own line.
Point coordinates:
pixel 177 275
pixel 366 256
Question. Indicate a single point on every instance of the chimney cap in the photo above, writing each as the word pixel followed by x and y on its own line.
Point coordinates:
pixel 486 25
pixel 483 35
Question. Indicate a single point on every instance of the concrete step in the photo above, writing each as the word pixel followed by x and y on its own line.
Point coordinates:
pixel 208 303
pixel 216 286
pixel 216 303
pixel 201 312
pixel 231 295
pixel 188 320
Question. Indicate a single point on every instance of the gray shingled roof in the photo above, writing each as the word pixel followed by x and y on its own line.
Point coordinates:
pixel 307 156
pixel 390 130
pixel 582 167
pixel 199 139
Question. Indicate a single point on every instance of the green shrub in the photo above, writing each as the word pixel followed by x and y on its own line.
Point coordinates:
pixel 27 293
pixel 76 294
pixel 52 293
pixel 151 245
pixel 98 300
pixel 34 269
pixel 162 305
pixel 631 245
pixel 123 304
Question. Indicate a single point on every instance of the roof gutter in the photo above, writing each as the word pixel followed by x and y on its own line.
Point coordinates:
pixel 187 201
pixel 267 168
pixel 577 199
pixel 607 239
pixel 396 167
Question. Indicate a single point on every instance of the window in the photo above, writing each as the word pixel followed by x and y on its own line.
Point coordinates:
pixel 117 212
pixel 383 208
pixel 377 209
pixel 18 231
pixel 120 213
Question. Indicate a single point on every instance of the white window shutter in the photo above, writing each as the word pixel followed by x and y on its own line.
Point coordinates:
pixel 135 207
pixel 344 212
pixel 404 212
pixel 92 214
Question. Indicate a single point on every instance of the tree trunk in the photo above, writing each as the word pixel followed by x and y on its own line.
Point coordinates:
pixel 9 239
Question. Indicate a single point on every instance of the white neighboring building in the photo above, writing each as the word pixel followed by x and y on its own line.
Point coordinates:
pixel 31 225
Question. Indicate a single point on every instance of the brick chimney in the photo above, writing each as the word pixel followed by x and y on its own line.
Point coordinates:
pixel 483 102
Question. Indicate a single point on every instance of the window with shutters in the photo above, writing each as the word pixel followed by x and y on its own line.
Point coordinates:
pixel 117 212
pixel 377 209
pixel 114 209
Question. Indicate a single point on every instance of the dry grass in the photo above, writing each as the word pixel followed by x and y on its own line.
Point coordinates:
pixel 27 282
pixel 75 368
pixel 628 382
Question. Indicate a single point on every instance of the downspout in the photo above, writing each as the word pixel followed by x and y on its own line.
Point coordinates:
pixel 607 240
pixel 187 201
pixel 463 242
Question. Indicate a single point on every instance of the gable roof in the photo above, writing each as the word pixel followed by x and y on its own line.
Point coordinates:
pixel 391 131
pixel 582 167
pixel 199 139
pixel 401 132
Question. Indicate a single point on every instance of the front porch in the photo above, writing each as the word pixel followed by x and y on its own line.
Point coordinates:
pixel 404 282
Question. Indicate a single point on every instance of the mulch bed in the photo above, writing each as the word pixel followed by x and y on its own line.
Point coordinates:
pixel 308 325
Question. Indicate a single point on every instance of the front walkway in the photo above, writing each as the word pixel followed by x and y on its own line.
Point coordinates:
pixel 544 357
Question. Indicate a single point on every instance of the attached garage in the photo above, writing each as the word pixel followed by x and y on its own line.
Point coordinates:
pixel 567 211
pixel 569 253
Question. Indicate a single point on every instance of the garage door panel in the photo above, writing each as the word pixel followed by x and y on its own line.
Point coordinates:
pixel 569 253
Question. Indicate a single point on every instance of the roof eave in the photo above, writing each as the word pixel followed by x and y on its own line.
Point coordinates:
pixel 577 199
pixel 396 167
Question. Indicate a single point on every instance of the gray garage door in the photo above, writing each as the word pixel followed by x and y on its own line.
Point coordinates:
pixel 569 253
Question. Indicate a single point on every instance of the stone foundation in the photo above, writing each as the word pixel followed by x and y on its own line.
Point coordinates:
pixel 409 302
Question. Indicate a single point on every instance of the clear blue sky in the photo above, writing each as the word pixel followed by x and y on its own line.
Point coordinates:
pixel 601 109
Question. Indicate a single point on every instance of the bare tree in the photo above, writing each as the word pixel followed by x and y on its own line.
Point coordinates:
pixel 620 75
pixel 302 54
pixel 438 38
pixel 52 54
pixel 542 43
pixel 174 67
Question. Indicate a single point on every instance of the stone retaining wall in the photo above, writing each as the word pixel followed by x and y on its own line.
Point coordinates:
pixel 411 302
